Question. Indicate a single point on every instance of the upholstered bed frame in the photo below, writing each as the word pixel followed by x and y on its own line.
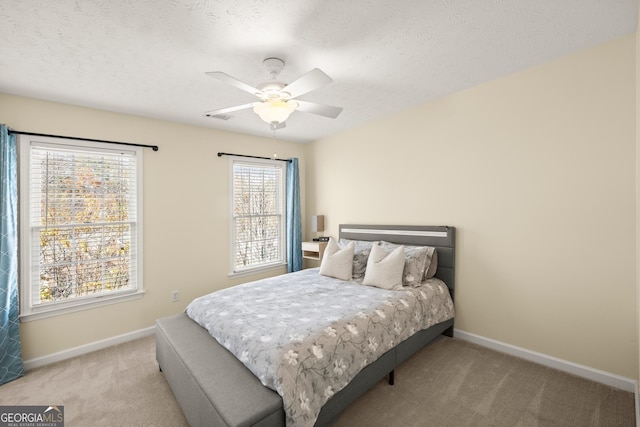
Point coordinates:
pixel 213 388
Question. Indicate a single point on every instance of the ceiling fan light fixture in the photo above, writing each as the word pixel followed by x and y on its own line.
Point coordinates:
pixel 275 110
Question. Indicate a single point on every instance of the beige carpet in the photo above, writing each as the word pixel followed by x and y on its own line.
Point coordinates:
pixel 449 383
pixel 118 386
pixel 456 383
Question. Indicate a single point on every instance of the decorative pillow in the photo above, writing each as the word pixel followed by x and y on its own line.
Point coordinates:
pixel 337 262
pixel 384 270
pixel 432 264
pixel 415 264
pixel 360 255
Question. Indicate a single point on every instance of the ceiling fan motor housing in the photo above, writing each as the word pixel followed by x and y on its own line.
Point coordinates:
pixel 272 89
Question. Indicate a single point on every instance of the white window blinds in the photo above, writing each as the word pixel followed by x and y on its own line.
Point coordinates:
pixel 83 222
pixel 258 214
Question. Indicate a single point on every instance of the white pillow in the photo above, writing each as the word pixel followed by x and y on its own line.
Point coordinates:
pixel 384 270
pixel 337 262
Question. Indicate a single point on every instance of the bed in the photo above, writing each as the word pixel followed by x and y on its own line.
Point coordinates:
pixel 213 387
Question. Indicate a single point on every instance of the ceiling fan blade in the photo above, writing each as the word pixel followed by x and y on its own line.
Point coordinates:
pixel 223 111
pixel 320 109
pixel 313 80
pixel 226 78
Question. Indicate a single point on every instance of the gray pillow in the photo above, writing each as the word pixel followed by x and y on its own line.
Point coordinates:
pixel 361 252
pixel 432 264
pixel 417 260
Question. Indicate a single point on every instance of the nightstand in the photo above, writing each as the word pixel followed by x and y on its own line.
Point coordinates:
pixel 313 250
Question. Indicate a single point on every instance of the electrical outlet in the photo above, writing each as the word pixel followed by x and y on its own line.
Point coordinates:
pixel 175 296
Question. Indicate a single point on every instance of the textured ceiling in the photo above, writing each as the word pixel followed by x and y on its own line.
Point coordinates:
pixel 148 57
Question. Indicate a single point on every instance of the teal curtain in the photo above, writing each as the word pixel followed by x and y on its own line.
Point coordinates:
pixel 10 353
pixel 294 218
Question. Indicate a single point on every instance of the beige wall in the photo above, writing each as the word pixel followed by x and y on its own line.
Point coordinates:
pixel 537 172
pixel 186 214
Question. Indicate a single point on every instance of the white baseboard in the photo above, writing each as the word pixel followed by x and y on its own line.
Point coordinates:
pixel 613 380
pixel 637 407
pixel 87 348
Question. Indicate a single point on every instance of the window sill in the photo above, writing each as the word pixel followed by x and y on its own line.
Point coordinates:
pixel 44 312
pixel 257 270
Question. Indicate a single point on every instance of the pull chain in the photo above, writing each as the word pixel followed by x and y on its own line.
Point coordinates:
pixel 275 155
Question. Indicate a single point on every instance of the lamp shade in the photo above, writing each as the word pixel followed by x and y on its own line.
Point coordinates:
pixel 317 223
pixel 275 110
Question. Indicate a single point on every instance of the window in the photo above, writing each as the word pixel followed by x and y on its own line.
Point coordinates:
pixel 81 225
pixel 258 219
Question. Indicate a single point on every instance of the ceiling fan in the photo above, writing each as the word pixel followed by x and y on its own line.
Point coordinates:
pixel 277 100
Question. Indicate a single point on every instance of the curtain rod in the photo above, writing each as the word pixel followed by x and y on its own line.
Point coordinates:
pixel 17 132
pixel 252 157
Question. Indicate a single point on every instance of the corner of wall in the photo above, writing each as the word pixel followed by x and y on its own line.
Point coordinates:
pixel 637 208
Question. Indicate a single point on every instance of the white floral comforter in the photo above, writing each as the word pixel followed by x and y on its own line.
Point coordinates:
pixel 306 336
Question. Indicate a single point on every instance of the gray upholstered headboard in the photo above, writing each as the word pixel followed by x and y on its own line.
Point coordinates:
pixel 443 238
